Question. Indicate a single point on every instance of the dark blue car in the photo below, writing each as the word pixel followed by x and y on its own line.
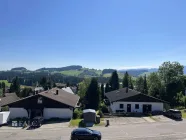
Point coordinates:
pixel 85 134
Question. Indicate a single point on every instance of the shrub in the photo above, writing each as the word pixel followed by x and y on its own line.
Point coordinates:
pixel 77 114
pixel 104 109
pixel 5 108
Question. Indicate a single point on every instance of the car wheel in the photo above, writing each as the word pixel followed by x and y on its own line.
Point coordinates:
pixel 96 138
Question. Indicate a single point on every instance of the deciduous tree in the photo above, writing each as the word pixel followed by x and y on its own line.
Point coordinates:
pixel 140 84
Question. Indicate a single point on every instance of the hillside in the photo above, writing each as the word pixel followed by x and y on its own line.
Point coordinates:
pixel 67 68
pixel 19 69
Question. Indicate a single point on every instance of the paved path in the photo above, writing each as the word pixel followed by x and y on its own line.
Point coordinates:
pixel 147 131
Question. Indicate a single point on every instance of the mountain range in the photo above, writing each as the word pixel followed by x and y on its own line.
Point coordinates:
pixel 80 71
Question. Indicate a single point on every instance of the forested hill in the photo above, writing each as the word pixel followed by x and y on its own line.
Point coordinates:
pixel 72 74
pixel 80 71
pixel 73 67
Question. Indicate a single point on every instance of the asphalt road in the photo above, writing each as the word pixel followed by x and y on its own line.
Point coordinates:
pixel 145 131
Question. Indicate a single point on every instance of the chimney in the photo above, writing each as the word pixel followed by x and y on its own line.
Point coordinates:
pixel 57 91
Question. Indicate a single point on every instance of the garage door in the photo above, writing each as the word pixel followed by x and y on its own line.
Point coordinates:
pixel 64 113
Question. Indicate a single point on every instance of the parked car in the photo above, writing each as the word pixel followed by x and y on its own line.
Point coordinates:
pixel 173 113
pixel 37 122
pixel 85 134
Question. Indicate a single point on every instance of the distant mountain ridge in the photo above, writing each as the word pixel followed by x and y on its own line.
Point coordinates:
pixel 72 67
pixel 19 69
pixel 80 71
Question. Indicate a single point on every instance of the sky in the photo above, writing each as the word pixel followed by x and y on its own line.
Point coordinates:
pixel 97 34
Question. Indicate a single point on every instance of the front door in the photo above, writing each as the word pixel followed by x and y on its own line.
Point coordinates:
pixel 128 107
pixel 147 108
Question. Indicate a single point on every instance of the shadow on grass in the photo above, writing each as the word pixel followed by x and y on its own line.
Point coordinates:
pixel 82 124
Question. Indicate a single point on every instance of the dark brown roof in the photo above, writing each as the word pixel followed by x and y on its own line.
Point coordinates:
pixel 131 95
pixel 62 97
pixel 9 98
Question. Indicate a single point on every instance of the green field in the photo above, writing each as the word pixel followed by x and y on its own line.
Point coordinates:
pixel 78 72
pixel 6 83
pixel 121 75
pixel 145 73
pixel 72 72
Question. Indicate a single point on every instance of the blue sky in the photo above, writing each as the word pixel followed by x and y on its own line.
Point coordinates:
pixel 92 33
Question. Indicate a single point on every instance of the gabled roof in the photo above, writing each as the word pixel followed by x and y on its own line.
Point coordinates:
pixel 131 95
pixel 9 98
pixel 62 96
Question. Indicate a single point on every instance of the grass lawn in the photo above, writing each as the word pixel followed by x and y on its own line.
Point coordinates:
pixel 183 114
pixel 109 75
pixel 75 122
pixel 23 86
pixel 6 82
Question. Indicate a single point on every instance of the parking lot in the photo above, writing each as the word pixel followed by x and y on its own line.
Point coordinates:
pixel 171 130
pixel 136 120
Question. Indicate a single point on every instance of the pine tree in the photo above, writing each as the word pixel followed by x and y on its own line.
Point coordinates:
pixel 114 81
pixel 102 92
pixel 3 88
pixel 126 80
pixel 107 88
pixel 15 86
pixel 145 89
pixel 43 83
pixel 0 85
pixel 93 95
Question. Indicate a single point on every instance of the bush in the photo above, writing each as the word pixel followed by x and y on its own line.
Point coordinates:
pixel 104 109
pixel 77 114
pixel 100 113
pixel 5 108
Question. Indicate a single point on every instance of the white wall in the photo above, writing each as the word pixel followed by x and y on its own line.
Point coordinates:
pixel 18 112
pixel 155 106
pixel 4 117
pixel 64 113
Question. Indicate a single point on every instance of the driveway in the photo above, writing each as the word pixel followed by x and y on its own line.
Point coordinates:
pixel 126 120
pixel 161 118
pixel 53 125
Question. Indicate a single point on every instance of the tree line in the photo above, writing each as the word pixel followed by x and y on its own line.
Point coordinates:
pixel 2 89
pixel 168 84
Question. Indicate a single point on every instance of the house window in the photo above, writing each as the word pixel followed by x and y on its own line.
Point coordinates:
pixel 121 106
pixel 136 106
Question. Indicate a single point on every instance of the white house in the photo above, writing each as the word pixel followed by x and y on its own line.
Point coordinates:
pixel 54 103
pixel 128 100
